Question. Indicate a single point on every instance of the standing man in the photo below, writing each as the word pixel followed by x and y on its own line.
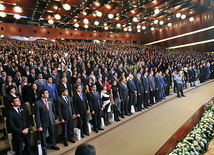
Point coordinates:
pixel 64 84
pixel 95 107
pixel 44 114
pixel 179 78
pixel 18 122
pixel 124 96
pixel 66 114
pixel 146 89
pixel 132 92
pixel 52 90
pixel 151 86
pixel 40 82
pixel 81 108
pixel 140 92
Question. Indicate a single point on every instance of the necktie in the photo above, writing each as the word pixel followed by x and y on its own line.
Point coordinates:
pixel 66 98
pixel 19 112
pixel 133 84
pixel 46 102
pixel 81 96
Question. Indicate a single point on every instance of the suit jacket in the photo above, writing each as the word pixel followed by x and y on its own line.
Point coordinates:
pixel 131 87
pixel 151 82
pixel 65 110
pixel 98 86
pixel 94 101
pixel 16 123
pixel 38 71
pixel 157 83
pixel 43 116
pixel 123 91
pixel 140 86
pixel 168 81
pixel 83 80
pixel 53 93
pixel 56 79
pixel 146 83
pixel 61 85
pixel 33 97
pixel 81 106
pixel 40 83
pixel 74 87
pixel 17 81
pixel 31 79
pixel 45 75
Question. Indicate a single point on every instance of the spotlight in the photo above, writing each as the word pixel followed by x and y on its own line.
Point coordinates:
pixel 66 7
pixel 125 29
pixel 191 19
pixel 96 23
pixel 3 14
pixel 138 26
pixel 178 15
pixel 85 21
pixel 169 24
pixel 18 9
pixel 76 25
pixel 152 28
pixel 143 27
pixel 118 25
pixel 110 16
pixel 86 26
pixel 161 22
pixel 57 16
pixel 99 14
pixel 183 16
pixel 156 21
pixel 2 7
pixel 157 11
pixel 135 19
pixel 50 21
pixel 106 28
pixel 17 16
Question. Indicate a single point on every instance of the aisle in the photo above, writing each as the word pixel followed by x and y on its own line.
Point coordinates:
pixel 144 133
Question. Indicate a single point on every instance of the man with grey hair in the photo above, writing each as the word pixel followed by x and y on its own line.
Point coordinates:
pixel 132 92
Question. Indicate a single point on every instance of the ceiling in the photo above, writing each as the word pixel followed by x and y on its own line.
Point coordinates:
pixel 130 14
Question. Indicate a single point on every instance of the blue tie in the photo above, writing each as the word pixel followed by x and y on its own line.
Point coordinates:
pixel 133 84
pixel 81 97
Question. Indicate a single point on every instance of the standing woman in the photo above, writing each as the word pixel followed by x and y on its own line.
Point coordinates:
pixel 115 98
pixel 107 84
pixel 7 83
pixel 186 77
pixel 106 103
pixel 88 85
pixel 24 88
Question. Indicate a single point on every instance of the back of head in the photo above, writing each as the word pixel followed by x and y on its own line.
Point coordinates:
pixel 85 149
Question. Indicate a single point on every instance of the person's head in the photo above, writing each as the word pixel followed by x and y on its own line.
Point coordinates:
pixel 24 79
pixel 145 74
pixel 99 78
pixel 9 78
pixel 84 71
pixel 151 73
pixel 115 74
pixel 64 79
pixel 34 86
pixel 85 149
pixel 64 92
pixel 32 71
pixel 138 75
pixel 78 80
pixel 123 80
pixel 103 87
pixel 3 74
pixel 40 76
pixel 114 82
pixel 18 73
pixel 16 102
pixel 49 80
pixel 93 87
pixel 78 88
pixel 130 76
pixel 44 93
pixel 11 89
pixel 53 72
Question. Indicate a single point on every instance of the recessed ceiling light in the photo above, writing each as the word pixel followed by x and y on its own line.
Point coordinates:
pixel 86 26
pixel 110 16
pixel 130 29
pixel 18 9
pixel 138 30
pixel 108 6
pixel 183 16
pixel 84 13
pixel 96 23
pixel 157 11
pixel 50 21
pixel 66 7
pixel 152 28
pixel 191 19
pixel 85 21
pixel 138 26
pixel 17 16
pixel 161 22
pixel 125 29
pixel 97 4
pixel 156 21
pixel 135 19
pixel 3 14
pixel 118 25
pixel 2 7
pixel 99 14
pixel 178 15
pixel 169 24
pixel 143 27
pixel 57 16
pixel 106 28
pixel 76 25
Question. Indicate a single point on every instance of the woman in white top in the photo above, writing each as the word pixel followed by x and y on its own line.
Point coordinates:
pixel 106 103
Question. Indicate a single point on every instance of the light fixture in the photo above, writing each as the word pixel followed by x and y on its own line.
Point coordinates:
pixel 105 24
pixel 50 21
pixel 86 26
pixel 94 14
pixel 138 30
pixel 118 25
pixel 117 18
pixel 133 11
pixel 130 29
pixel 161 22
pixel 75 20
pixel 108 6
pixel 96 23
pixel 110 16
pixel 178 15
pixel 17 16
pixel 3 14
pixel 152 28
pixel 169 24
pixel 97 4
pixel 191 19
pixel 125 29
pixel 57 16
pixel 76 25
pixel 2 36
pixel 84 13
pixel 66 7
pixel 2 7
pixel 183 16
pixel 85 21
pixel 156 21
pixel 138 26
pixel 143 27
pixel 18 9
pixel 99 14
pixel 135 19
pixel 106 28
pixel 157 11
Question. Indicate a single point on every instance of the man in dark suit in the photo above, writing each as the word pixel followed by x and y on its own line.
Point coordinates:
pixel 81 108
pixel 78 82
pixel 44 114
pixel 45 72
pixel 151 86
pixel 168 83
pixel 32 76
pixel 146 89
pixel 99 83
pixel 124 97
pixel 39 69
pixel 95 107
pixel 132 92
pixel 52 90
pixel 18 122
pixel 140 92
pixel 40 82
pixel 64 84
pixel 2 79
pixel 55 77
pixel 84 77
pixel 157 87
pixel 17 79
pixel 66 114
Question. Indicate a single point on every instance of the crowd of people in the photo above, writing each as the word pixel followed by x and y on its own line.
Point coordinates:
pixel 63 80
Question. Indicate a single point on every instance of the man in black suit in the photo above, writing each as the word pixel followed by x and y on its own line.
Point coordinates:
pixel 44 114
pixel 2 79
pixel 55 77
pixel 32 77
pixel 140 92
pixel 84 77
pixel 124 97
pixel 39 69
pixel 146 89
pixel 168 83
pixel 132 92
pixel 17 79
pixel 18 122
pixel 45 72
pixel 95 107
pixel 99 83
pixel 78 82
pixel 64 84
pixel 81 108
pixel 66 114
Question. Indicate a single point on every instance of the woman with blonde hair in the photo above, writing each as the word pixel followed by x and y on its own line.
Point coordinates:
pixel 24 88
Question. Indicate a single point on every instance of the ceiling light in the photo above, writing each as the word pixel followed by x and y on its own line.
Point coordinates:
pixel 97 4
pixel 106 28
pixel 2 7
pixel 135 19
pixel 84 13
pixel 183 16
pixel 108 6
pixel 117 18
pixel 2 36
pixel 86 26
pixel 17 16
pixel 99 14
pixel 156 21
pixel 143 27
pixel 178 15
pixel 130 29
pixel 105 24
pixel 76 25
pixel 3 14
pixel 138 30
pixel 138 26
pixel 57 16
pixel 94 14
pixel 110 16
pixel 152 28
pixel 118 25
pixel 66 7
pixel 125 29
pixel 161 22
pixel 18 9
pixel 85 21
pixel 50 21
pixel 96 23
pixel 75 20
pixel 157 11
pixel 133 11
pixel 169 24
pixel 191 19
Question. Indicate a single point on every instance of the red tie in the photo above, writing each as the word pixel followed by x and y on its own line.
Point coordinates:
pixel 46 102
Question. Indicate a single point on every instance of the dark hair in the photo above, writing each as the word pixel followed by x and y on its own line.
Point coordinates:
pixel 42 91
pixel 49 78
pixel 92 85
pixel 9 88
pixel 77 86
pixel 63 90
pixel 85 149
pixel 102 86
